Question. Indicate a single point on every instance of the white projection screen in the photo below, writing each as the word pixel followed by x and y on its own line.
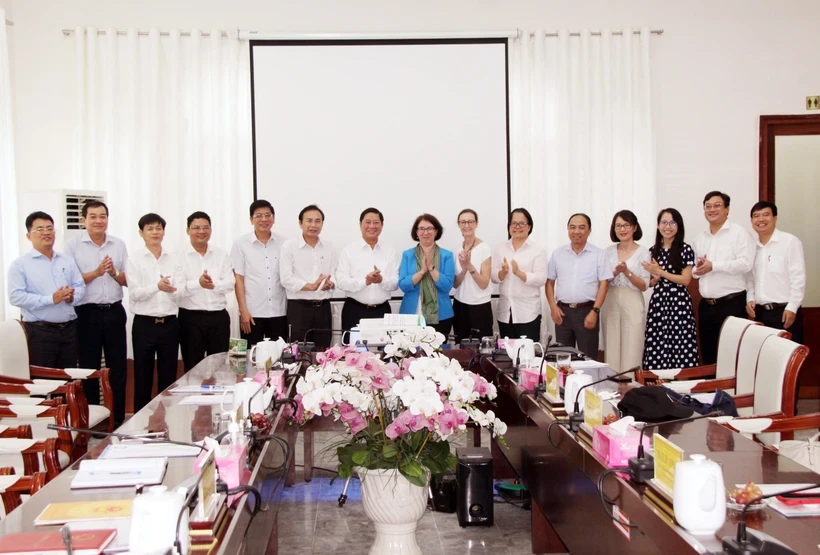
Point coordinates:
pixel 406 126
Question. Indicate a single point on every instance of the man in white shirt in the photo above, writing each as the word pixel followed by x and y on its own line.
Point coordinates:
pixel 724 253
pixel 776 286
pixel 154 276
pixel 306 268
pixel 368 272
pixel 577 281
pixel 100 315
pixel 259 292
pixel 204 323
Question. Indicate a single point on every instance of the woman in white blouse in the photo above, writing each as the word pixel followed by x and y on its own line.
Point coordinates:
pixel 623 312
pixel 520 269
pixel 472 307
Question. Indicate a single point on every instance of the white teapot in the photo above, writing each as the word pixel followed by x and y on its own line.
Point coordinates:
pixel 699 499
pixel 266 349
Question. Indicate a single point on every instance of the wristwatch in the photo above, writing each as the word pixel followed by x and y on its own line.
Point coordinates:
pixel 472 271
pixel 596 310
pixel 629 275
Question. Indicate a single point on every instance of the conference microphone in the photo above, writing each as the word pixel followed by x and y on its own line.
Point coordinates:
pixel 142 438
pixel 642 469
pixel 576 416
pixel 745 544
pixel 470 343
pixel 310 346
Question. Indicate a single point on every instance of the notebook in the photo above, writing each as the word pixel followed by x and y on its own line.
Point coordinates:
pixel 108 473
pixel 85 542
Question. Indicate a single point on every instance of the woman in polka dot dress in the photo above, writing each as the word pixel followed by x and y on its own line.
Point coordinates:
pixel 671 339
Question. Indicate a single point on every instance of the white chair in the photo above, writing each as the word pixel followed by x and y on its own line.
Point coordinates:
pixel 775 384
pixel 15 367
pixel 732 333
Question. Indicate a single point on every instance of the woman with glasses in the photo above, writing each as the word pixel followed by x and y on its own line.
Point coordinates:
pixel 623 312
pixel 426 275
pixel 472 308
pixel 520 269
pixel 671 340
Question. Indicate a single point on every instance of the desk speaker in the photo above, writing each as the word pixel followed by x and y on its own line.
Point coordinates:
pixel 474 479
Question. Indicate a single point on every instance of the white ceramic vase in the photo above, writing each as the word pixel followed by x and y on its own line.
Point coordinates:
pixel 395 506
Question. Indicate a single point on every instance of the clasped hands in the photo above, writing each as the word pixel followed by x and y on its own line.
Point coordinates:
pixel 318 285
pixel 505 269
pixel 164 284
pixel 106 267
pixel 373 277
pixel 703 266
pixel 63 294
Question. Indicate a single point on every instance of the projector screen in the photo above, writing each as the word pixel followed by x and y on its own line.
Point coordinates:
pixel 404 126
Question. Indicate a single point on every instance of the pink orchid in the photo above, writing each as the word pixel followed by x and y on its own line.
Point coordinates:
pixel 334 353
pixel 481 386
pixel 394 369
pixel 357 424
pixel 448 422
pixel 396 429
pixel 327 408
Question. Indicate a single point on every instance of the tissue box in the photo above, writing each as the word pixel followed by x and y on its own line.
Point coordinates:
pixel 528 378
pixel 617 449
pixel 237 347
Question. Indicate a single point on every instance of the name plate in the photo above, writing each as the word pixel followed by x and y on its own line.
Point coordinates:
pixel 667 455
pixel 593 415
pixel 552 381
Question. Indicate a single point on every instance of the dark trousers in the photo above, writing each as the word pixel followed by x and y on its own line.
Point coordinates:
pixel 154 338
pixel 266 328
pixel 572 331
pixel 52 345
pixel 353 311
pixel 203 333
pixel 710 319
pixel 444 326
pixel 310 315
pixel 774 319
pixel 102 330
pixel 472 320
pixel 531 329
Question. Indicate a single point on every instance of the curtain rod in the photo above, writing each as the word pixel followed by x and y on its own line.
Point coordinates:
pixel 123 32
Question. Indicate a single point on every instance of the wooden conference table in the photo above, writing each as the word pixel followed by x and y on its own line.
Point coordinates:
pixel 567 514
pixel 184 423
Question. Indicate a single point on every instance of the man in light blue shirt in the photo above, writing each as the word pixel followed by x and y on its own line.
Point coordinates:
pixel 46 285
pixel 582 275
pixel 100 315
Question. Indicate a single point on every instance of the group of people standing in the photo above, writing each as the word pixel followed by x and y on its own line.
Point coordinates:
pixel 72 309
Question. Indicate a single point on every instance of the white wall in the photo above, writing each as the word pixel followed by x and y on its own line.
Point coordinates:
pixel 717 67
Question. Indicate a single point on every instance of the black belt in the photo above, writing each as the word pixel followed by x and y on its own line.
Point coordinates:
pixel 588 304
pixel 361 304
pixel 725 298
pixel 100 306
pixel 156 319
pixel 770 306
pixel 314 304
pixel 51 325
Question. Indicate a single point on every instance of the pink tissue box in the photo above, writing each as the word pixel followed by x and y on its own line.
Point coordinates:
pixel 232 467
pixel 617 449
pixel 528 378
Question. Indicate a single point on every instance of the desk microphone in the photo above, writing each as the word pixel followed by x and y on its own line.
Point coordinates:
pixel 142 438
pixel 745 544
pixel 642 469
pixel 310 346
pixel 541 386
pixel 576 416
pixel 470 343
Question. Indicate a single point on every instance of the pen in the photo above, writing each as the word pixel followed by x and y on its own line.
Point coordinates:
pixel 66 532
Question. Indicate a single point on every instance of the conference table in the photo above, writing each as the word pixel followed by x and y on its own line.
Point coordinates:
pixel 561 473
pixel 184 423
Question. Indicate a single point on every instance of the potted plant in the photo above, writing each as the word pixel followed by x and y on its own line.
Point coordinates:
pixel 401 411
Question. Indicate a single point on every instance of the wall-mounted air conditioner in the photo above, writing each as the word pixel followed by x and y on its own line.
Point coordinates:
pixel 64 205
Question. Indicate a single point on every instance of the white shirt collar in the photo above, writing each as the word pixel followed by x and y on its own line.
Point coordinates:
pixel 300 242
pixel 86 238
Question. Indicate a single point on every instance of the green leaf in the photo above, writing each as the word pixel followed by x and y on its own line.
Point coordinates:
pixel 412 468
pixel 389 451
pixel 359 457
pixel 415 480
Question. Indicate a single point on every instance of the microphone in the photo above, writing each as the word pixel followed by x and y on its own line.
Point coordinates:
pixel 142 438
pixel 745 544
pixel 542 387
pixel 311 346
pixel 642 469
pixel 471 343
pixel 576 416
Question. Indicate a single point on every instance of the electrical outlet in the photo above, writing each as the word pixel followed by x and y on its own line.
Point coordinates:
pixel 813 103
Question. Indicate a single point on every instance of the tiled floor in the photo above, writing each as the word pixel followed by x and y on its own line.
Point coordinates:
pixel 310 521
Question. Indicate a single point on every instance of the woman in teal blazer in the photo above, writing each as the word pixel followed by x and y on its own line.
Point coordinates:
pixel 426 275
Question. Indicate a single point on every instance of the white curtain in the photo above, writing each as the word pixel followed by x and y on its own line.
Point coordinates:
pixel 9 228
pixel 582 138
pixel 164 126
pixel 581 132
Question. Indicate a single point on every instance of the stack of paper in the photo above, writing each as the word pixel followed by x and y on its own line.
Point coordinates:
pixel 101 473
pixel 138 450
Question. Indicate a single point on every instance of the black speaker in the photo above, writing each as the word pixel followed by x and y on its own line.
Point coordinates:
pixel 474 479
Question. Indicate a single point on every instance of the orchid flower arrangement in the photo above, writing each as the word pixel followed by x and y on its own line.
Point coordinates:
pixel 400 410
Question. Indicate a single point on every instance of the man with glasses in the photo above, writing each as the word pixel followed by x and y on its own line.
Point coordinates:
pixel 101 317
pixel 46 285
pixel 204 323
pixel 307 269
pixel 259 292
pixel 368 272
pixel 724 254
pixel 577 282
